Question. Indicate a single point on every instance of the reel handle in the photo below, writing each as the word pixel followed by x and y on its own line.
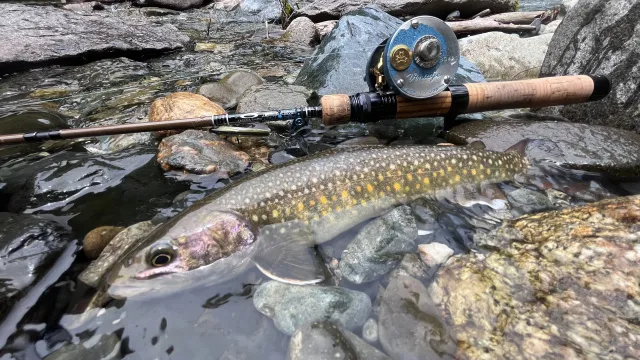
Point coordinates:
pixel 467 98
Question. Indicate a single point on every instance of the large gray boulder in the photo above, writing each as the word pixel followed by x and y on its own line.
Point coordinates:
pixel 338 65
pixel 322 10
pixel 503 56
pixel 601 37
pixel 42 35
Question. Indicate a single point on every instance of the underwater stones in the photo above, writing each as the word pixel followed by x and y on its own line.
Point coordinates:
pixel 325 340
pixel 63 36
pixel 28 244
pixel 200 152
pixel 339 63
pixel 170 4
pixel 505 57
pixel 529 201
pixel 600 37
pixel 114 251
pixel 408 325
pixel 370 330
pixel 291 306
pixel 107 348
pixel 268 97
pixel 321 10
pixel 560 284
pixel 434 254
pixel 412 266
pixel 579 146
pixel 181 105
pixel 301 31
pixel 230 88
pixel 379 246
pixel 97 239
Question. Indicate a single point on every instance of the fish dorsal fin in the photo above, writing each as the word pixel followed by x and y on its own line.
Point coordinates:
pixel 287 252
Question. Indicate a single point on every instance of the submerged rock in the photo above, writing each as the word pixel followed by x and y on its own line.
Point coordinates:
pixel 325 340
pixel 301 31
pixel 28 245
pixel 171 4
pixel 409 327
pixel 434 254
pixel 230 88
pixel 97 239
pixel 412 266
pixel 529 201
pixel 338 65
pixel 506 57
pixel 114 251
pixel 107 348
pixel 181 105
pixel 579 146
pixel 600 37
pixel 119 188
pixel 274 97
pixel 321 10
pixel 380 246
pixel 201 152
pixel 556 285
pixel 291 306
pixel 64 36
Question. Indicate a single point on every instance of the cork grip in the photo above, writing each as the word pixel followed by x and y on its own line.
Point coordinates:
pixel 336 109
pixel 551 91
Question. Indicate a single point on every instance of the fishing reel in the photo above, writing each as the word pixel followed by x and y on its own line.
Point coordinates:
pixel 417 62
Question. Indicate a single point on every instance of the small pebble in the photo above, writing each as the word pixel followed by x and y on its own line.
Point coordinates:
pixel 97 239
pixel 435 253
pixel 370 330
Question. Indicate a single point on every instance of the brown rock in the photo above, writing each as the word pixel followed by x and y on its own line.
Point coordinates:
pixel 97 239
pixel 181 105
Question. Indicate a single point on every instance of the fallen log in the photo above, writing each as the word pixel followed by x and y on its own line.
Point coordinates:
pixel 525 17
pixel 482 25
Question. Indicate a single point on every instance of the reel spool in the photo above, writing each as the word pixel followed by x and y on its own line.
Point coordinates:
pixel 417 62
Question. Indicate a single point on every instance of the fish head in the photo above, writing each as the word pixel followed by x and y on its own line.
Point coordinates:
pixel 184 251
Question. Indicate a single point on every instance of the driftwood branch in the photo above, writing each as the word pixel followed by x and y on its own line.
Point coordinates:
pixel 525 17
pixel 514 22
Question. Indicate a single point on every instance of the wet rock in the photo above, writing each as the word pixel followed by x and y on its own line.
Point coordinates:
pixel 301 31
pixel 325 341
pixel 200 152
pixel 559 284
pixel 365 140
pixel 259 10
pixel 379 246
pixel 434 254
pixel 107 348
pixel 321 10
pixel 503 56
pixel 291 306
pixel 89 190
pixel 332 70
pixel 579 146
pixel 274 97
pixel 114 251
pixel 170 4
pixel 325 27
pixel 84 7
pixel 600 37
pixel 529 201
pixel 28 245
pixel 550 28
pixel 409 327
pixel 370 330
pixel 230 88
pixel 412 266
pixel 97 239
pixel 63 36
pixel 181 105
pixel 21 121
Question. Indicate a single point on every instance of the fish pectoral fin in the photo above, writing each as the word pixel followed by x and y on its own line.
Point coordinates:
pixel 287 252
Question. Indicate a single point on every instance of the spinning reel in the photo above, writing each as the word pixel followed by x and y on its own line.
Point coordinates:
pixel 417 62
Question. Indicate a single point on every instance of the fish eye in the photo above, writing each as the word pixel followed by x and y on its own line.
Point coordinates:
pixel 161 255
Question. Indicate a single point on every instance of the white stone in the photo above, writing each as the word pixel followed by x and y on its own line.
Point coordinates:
pixel 434 253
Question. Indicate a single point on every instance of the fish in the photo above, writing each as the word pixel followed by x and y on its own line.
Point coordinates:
pixel 274 219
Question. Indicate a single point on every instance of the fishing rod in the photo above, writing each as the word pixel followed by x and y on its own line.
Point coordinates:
pixel 409 75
